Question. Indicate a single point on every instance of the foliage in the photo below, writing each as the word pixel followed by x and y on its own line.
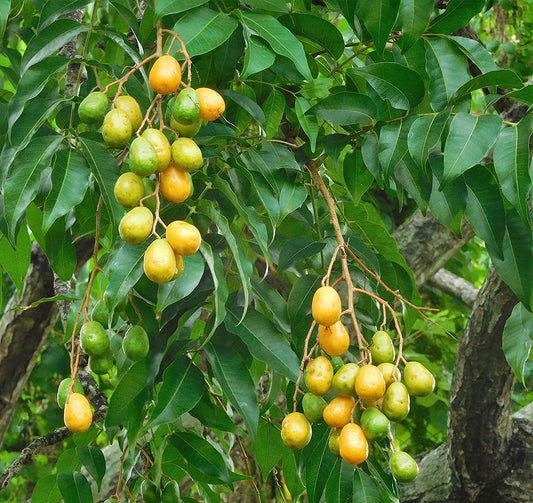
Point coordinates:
pixel 383 97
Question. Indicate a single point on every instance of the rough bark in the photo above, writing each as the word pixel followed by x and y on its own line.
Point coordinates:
pixel 453 285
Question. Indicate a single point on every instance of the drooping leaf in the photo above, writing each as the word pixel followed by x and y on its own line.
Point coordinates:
pixel 307 122
pixel 94 462
pixel 379 18
pixel 475 52
pixel 166 7
pixel 16 262
pixel 414 17
pixel 74 488
pixel 257 57
pixel 273 107
pixel 357 177
pixel 457 14
pixel 270 5
pixel 318 467
pixel 273 299
pixel 60 250
pixel 299 303
pixel 345 108
pixel 339 486
pixel 46 490
pixel 409 176
pixel 393 144
pixel 268 446
pixel 365 488
pixel 4 14
pixel 54 9
pixel 518 339
pixel 501 78
pixel 247 104
pixel 296 250
pixel 293 194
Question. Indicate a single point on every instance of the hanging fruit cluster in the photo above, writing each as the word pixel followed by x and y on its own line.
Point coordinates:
pixel 364 397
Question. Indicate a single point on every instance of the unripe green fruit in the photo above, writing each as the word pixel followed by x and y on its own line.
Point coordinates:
pixel 396 403
pixel 136 343
pixel 143 157
pixel 184 130
pixel 94 339
pixel 93 108
pixel 161 145
pixel 186 107
pixel 129 189
pixel 382 349
pixel 101 364
pixel 313 406
pixel 344 379
pixel 333 441
pixel 403 467
pixel 374 423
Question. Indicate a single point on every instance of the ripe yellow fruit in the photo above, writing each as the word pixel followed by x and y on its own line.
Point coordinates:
pixel 334 340
pixel 319 375
pixel 132 109
pixel 78 415
pixel 165 75
pixel 353 445
pixel 129 189
pixel 184 238
pixel 159 261
pixel 295 430
pixel 387 369
pixel 175 184
pixel 326 306
pixel 212 104
pixel 369 383
pixel 338 412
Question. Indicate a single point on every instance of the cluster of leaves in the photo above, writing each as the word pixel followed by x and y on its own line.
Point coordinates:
pixel 380 91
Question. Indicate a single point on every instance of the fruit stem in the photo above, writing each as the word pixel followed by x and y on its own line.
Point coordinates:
pixel 305 358
pixel 146 118
pixel 182 51
pixel 392 444
pixel 122 80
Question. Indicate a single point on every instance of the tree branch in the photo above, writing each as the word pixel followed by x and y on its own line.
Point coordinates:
pixel 454 285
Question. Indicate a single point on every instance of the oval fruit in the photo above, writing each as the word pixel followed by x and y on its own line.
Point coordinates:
pixel 382 348
pixel 212 104
pixel 93 108
pixel 161 146
pixel 339 411
pixel 101 364
pixel 390 376
pixel 186 107
pixel 136 225
pixel 175 184
pixel 369 383
pixel 295 430
pixel 186 155
pixel 78 415
pixel 136 343
pixel 334 340
pixel 62 390
pixel 326 306
pixel 131 108
pixel 116 131
pixel 418 379
pixel 159 261
pixel 94 339
pixel 374 423
pixel 165 75
pixel 319 375
pixel 184 237
pixel 313 406
pixel 344 379
pixel 149 190
pixel 186 130
pixel 353 445
pixel 129 189
pixel 171 492
pixel 403 467
pixel 333 442
pixel 396 403
pixel 142 157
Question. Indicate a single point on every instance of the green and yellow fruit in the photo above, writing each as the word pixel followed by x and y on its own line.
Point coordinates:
pixel 403 467
pixel 136 225
pixel 396 403
pixel 186 107
pixel 382 349
pixel 159 261
pixel 186 155
pixel 131 108
pixel 161 146
pixel 93 108
pixel 418 379
pixel 116 131
pixel 129 189
pixel 295 430
pixel 143 157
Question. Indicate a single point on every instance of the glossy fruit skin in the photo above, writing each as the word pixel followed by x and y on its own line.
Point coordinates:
pixel 116 131
pixel 369 383
pixel 403 467
pixel 149 188
pixel 186 107
pixel 353 445
pixel 136 225
pixel 94 339
pixel 295 430
pixel 326 306
pixel 338 412
pixel 180 266
pixel 333 441
pixel 212 104
pixel 418 379
pixel 396 402
pixel 382 348
pixel 161 146
pixel 62 390
pixel 171 492
pixel 78 415
pixel 93 108
pixel 186 130
pixel 131 108
pixel 142 157
pixel 319 375
pixel 374 423
pixel 344 379
pixel 184 237
pixel 150 492
pixel 387 370
pixel 186 155
pixel 165 75
pixel 159 261
pixel 101 364
pixel 129 189
pixel 313 406
pixel 334 340
pixel 136 343
pixel 175 184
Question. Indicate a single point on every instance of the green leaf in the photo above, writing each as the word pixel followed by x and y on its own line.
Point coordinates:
pixel 127 401
pixel 4 14
pixel 247 104
pixel 270 5
pixel 43 300
pixel 54 9
pixel 457 14
pixel 16 262
pixel 183 386
pixel 74 488
pixel 525 95
pixel 511 162
pixel 345 108
pixel 257 57
pixel 409 176
pixel 211 415
pixel 357 178
pixel 365 489
pixel 104 167
pixel 403 87
pixel 318 467
pixel 265 342
pixel 518 340
pixel 166 7
pixel 501 78
pixel 392 144
pixel 201 456
pixel 447 69
pixel 22 182
pixel 378 17
pixel 70 179
pixel 93 460
pixel 476 52
pixel 268 446
pixel 50 40
pixel 273 107
pixel 293 194
pixel 203 29
pixel 280 39
pixel 296 250
pixel 299 302
pixel 46 490
pixel 308 123
pixel 414 17
pixel 317 30
pixel 174 291
pixel 339 486
pixel 468 141
pixel 231 373
pixel 60 249
pixel 273 300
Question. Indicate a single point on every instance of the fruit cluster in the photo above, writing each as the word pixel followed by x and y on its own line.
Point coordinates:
pixel 370 394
